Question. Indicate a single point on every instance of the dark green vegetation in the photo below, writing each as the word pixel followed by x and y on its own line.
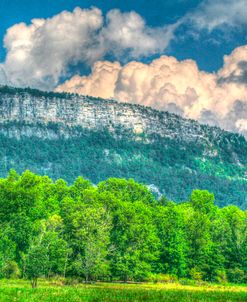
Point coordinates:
pixel 53 292
pixel 35 92
pixel 175 168
pixel 116 231
pixel 216 160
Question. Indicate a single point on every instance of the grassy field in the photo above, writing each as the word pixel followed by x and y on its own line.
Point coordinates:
pixel 21 291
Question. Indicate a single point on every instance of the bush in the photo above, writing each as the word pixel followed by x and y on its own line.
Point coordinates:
pixel 196 274
pixel 185 281
pixel 163 278
pixel 236 275
pixel 220 276
pixel 11 270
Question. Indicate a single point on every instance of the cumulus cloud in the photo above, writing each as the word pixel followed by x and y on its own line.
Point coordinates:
pixel 128 31
pixel 211 14
pixel 41 53
pixel 101 82
pixel 177 86
pixel 241 124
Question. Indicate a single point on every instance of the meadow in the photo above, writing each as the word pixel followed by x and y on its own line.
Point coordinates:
pixel 21 291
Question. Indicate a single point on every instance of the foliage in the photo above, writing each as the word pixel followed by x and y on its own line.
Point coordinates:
pixel 116 231
pixel 174 166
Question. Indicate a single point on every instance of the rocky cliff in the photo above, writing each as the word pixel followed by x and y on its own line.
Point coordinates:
pixel 33 107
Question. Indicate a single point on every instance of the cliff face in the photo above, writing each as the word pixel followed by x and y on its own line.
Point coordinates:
pixel 93 114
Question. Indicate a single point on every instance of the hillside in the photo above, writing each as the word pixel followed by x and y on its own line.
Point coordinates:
pixel 70 135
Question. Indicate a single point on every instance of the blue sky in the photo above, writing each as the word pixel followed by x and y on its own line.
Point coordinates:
pixel 205 50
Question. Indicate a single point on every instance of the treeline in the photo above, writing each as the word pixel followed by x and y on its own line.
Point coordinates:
pixel 116 230
pixel 4 89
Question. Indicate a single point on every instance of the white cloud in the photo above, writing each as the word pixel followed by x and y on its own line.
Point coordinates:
pixel 40 53
pixel 211 14
pixel 241 124
pixel 167 84
pixel 101 82
pixel 128 31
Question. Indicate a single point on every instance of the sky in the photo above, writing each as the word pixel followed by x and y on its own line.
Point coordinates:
pixel 184 56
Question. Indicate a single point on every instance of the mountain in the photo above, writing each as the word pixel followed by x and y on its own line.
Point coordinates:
pixel 67 135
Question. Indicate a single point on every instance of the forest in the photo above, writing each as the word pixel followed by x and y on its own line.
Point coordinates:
pixel 164 163
pixel 116 231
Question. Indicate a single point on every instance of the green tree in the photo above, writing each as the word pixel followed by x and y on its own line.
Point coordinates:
pixel 174 247
pixel 88 227
pixel 48 252
pixel 135 241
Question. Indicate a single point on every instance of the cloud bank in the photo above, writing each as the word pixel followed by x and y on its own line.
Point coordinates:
pixel 167 84
pixel 43 52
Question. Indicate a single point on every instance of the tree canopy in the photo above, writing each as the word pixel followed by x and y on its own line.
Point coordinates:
pixel 116 230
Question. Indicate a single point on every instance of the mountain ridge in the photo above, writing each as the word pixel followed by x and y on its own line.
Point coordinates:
pixel 68 104
pixel 62 134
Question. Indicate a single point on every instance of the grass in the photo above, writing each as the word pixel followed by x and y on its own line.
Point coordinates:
pixel 21 291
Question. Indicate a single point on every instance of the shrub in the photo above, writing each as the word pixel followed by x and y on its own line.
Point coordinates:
pixel 220 276
pixel 11 270
pixel 236 275
pixel 163 278
pixel 196 274
pixel 186 281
